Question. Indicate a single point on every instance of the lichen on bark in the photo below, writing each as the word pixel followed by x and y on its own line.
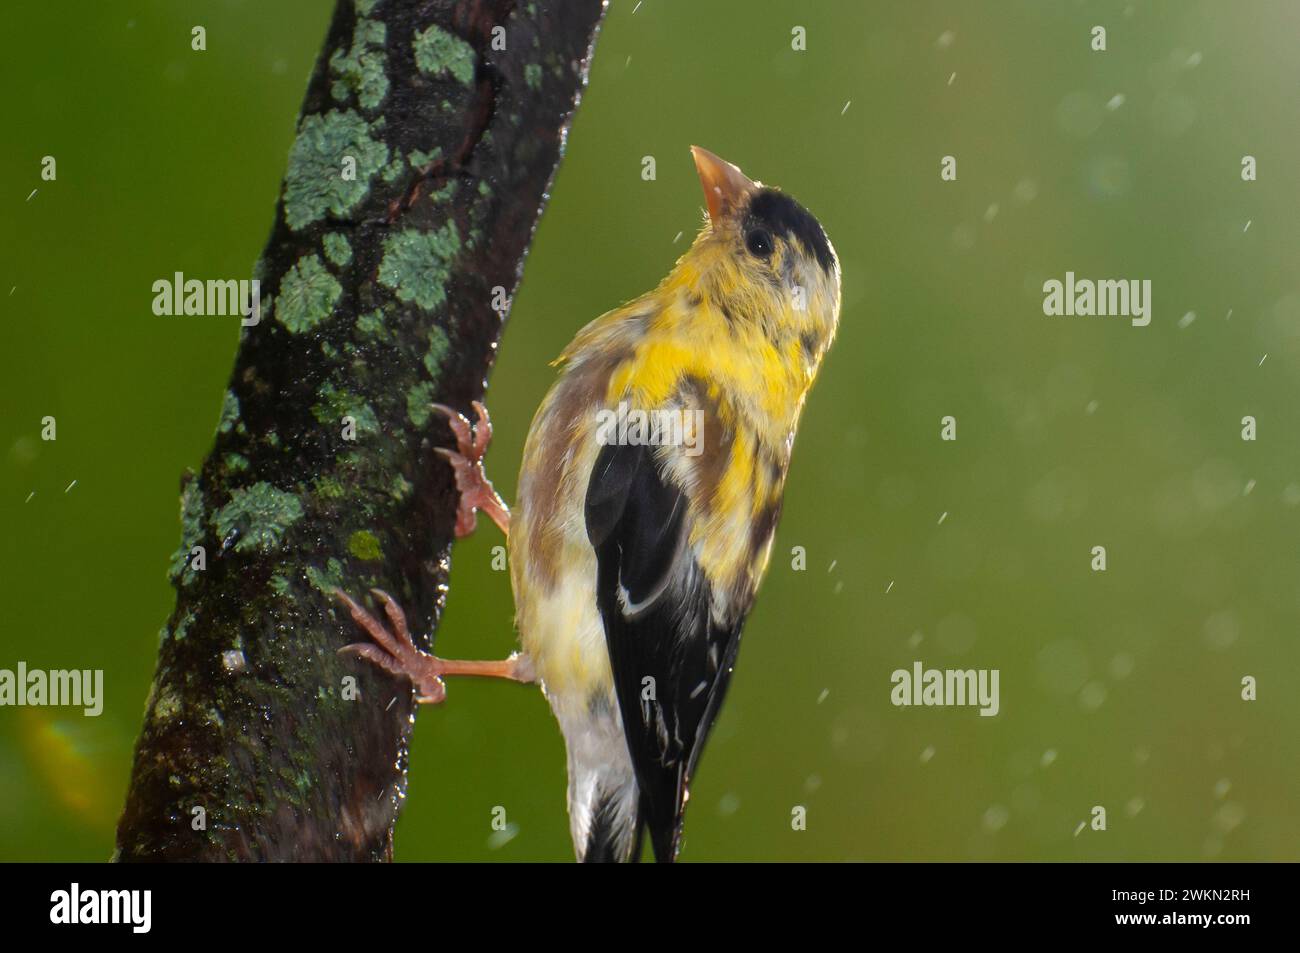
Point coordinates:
pixel 421 163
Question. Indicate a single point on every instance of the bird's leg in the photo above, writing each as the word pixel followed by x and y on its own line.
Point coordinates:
pixel 476 492
pixel 395 652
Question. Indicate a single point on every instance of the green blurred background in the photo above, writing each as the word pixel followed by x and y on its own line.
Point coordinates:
pixel 1118 689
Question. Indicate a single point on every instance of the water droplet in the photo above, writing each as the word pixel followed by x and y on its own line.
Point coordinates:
pixel 1121 666
pixel 1026 191
pixel 1229 816
pixel 995 818
pixel 499 839
pixel 1093 696
pixel 1220 631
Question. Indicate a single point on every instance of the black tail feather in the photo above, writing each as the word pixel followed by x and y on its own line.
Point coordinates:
pixel 665 824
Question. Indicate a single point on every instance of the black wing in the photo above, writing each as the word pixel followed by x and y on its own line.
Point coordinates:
pixel 661 625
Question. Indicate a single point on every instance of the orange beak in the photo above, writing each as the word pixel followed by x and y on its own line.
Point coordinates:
pixel 725 186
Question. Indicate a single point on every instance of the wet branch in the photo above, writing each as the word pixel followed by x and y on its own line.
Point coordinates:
pixel 422 161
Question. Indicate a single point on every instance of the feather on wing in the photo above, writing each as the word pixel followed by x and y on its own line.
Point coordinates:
pixel 661 623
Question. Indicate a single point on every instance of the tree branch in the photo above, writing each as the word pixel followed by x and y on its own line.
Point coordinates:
pixel 377 299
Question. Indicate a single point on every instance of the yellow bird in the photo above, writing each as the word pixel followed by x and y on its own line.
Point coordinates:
pixel 649 494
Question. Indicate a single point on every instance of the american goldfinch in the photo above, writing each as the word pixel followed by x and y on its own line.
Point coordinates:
pixel 649 493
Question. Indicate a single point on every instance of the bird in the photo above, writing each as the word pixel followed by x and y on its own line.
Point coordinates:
pixel 649 493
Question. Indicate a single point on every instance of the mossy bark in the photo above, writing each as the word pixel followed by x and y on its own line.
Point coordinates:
pixel 423 158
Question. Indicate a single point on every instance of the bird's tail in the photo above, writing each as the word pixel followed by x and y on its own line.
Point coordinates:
pixel 664 822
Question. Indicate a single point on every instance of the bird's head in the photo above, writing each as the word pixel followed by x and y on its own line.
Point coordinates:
pixel 766 258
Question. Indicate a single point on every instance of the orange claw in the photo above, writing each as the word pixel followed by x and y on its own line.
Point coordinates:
pixel 394 651
pixel 476 490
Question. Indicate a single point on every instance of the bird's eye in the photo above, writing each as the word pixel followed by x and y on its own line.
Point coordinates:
pixel 759 242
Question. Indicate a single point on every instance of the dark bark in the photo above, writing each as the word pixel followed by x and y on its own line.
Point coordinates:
pixel 377 299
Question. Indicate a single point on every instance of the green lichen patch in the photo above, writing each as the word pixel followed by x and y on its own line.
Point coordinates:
pixel 420 159
pixel 319 180
pixel 236 462
pixel 260 515
pixel 361 69
pixel 366 7
pixel 533 75
pixel 229 413
pixel 337 248
pixel 438 52
pixel 364 545
pixel 335 403
pixel 183 626
pixel 328 488
pixel 371 324
pixel 445 193
pixel 308 294
pixel 191 531
pixel 418 399
pixel 416 264
pixel 328 579
pixel 439 345
pixel 393 169
pixel 401 488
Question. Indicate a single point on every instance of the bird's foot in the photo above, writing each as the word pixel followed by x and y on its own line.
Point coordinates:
pixel 395 652
pixel 476 491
